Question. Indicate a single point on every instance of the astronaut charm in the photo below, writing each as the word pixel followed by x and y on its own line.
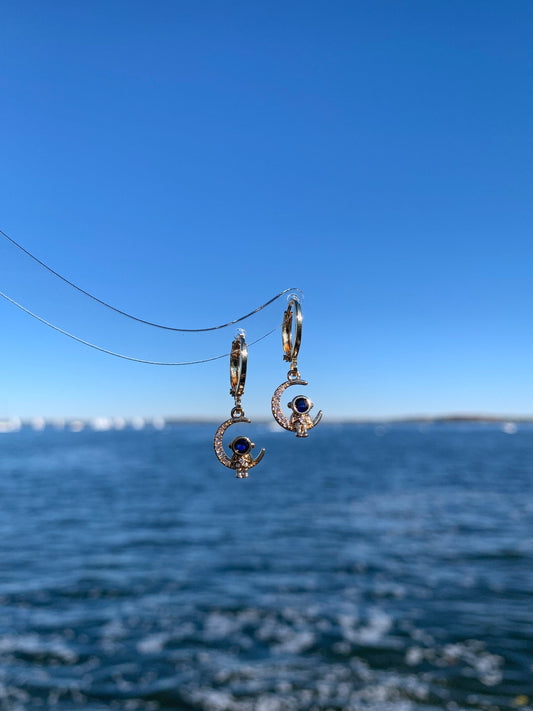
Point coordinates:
pixel 300 421
pixel 241 460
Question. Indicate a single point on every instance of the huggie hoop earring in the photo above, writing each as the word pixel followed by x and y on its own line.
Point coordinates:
pixel 300 420
pixel 290 348
pixel 241 460
pixel 238 363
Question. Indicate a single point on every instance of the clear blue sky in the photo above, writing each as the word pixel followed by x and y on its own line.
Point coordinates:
pixel 187 160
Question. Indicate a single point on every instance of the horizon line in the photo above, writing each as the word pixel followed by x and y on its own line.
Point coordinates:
pixel 159 421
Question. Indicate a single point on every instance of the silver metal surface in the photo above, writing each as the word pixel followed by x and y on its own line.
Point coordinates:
pixel 136 318
pixel 120 355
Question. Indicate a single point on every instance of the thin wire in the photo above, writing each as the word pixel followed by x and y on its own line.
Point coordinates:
pixel 135 318
pixel 120 355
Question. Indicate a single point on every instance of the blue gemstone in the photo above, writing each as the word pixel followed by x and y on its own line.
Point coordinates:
pixel 241 445
pixel 301 404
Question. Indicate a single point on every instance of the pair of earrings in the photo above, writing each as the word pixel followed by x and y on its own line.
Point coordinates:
pixel 299 422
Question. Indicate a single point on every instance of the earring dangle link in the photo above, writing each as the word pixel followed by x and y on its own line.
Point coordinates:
pixel 241 460
pixel 300 421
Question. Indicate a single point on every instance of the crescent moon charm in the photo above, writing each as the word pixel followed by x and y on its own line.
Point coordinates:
pixel 300 420
pixel 242 459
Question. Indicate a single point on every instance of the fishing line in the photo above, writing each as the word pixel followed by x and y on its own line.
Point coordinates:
pixel 136 318
pixel 120 355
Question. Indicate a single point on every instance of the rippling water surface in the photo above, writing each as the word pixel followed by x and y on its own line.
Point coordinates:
pixel 386 569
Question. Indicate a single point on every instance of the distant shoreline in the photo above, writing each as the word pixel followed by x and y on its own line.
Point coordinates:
pixel 77 424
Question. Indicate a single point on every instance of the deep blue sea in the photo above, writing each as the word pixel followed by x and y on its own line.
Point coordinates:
pixel 385 568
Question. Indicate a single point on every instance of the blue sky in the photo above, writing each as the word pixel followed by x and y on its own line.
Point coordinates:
pixel 187 160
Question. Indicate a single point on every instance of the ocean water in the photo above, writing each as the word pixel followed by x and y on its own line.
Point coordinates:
pixel 372 568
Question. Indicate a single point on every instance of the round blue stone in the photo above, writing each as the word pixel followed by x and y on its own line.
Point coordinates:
pixel 301 404
pixel 241 445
